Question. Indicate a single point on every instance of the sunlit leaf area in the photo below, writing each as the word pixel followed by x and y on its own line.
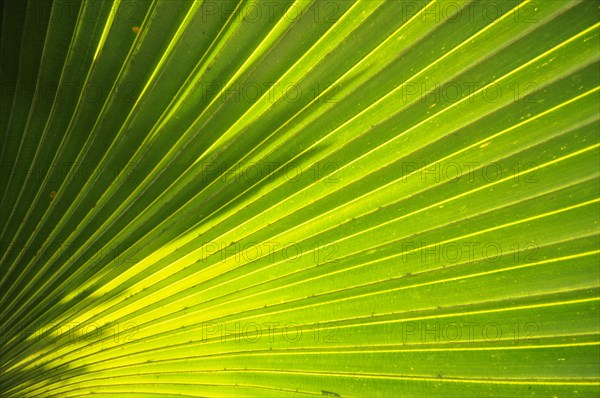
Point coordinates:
pixel 299 198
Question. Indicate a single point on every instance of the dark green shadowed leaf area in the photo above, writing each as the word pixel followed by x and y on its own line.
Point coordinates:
pixel 292 198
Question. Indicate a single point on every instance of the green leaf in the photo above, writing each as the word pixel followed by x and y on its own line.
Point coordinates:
pixel 333 198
